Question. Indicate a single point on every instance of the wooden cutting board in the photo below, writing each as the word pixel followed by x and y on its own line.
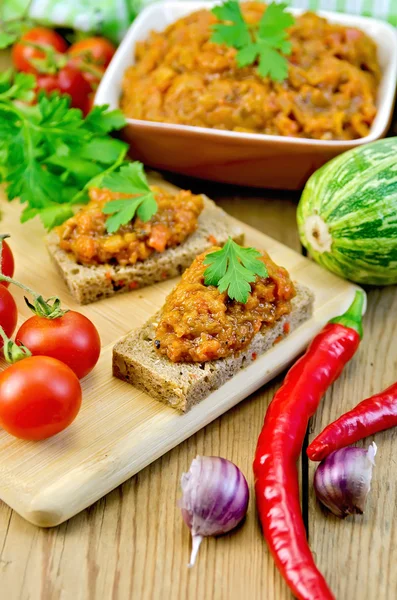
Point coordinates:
pixel 120 430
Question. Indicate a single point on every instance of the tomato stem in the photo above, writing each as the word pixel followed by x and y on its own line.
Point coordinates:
pixel 18 284
pixel 352 318
pixel 49 309
pixel 52 61
pixel 13 352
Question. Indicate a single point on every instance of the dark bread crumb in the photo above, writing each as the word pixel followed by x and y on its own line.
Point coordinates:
pixel 91 283
pixel 181 385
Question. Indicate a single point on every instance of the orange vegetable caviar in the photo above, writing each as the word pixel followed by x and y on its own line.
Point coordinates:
pixel 181 77
pixel 85 235
pixel 198 323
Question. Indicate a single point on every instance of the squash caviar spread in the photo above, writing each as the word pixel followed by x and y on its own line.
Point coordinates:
pixel 181 77
pixel 199 323
pixel 85 235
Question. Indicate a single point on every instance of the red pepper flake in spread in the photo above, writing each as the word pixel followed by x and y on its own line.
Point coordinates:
pixel 181 77
pixel 133 285
pixel 164 275
pixel 212 239
pixel 254 356
pixel 287 328
pixel 86 238
pixel 278 339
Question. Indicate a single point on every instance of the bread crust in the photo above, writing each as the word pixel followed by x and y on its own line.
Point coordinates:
pixel 182 385
pixel 88 284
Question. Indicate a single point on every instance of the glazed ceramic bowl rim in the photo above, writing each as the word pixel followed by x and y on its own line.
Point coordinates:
pixel 109 89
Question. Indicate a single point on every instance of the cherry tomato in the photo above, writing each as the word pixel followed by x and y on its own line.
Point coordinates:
pixel 89 103
pixel 22 54
pixel 97 50
pixel 49 83
pixel 72 339
pixel 72 82
pixel 7 262
pixel 39 397
pixel 8 313
pixel 91 72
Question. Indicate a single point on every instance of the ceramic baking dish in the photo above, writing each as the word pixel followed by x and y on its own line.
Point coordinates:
pixel 240 158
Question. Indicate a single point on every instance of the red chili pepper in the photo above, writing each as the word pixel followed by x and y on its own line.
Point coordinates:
pixel 369 416
pixel 280 444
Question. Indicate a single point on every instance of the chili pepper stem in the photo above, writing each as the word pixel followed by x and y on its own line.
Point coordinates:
pixel 352 318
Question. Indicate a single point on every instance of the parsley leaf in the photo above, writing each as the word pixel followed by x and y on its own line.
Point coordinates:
pixel 271 63
pixel 237 34
pixel 51 154
pixel 232 269
pixel 51 216
pixel 18 86
pixel 129 179
pixel 102 120
pixel 267 43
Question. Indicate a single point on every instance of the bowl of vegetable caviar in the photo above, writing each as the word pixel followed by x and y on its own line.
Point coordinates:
pixel 209 91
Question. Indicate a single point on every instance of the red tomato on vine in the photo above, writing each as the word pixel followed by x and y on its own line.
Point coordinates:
pixel 39 397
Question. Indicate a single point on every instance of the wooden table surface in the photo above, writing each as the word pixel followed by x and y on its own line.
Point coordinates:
pixel 133 545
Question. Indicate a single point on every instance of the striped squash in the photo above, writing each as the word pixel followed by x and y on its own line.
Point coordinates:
pixel 347 215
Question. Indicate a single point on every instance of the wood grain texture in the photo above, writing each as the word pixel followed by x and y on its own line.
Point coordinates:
pixel 120 430
pixel 358 555
pixel 132 544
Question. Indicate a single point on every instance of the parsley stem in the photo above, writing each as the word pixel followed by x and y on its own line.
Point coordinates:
pixel 95 181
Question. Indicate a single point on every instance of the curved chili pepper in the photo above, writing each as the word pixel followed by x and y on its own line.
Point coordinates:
pixel 280 444
pixel 377 413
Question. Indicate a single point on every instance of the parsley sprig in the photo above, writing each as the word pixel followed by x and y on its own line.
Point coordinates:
pixel 266 43
pixel 49 153
pixel 131 180
pixel 232 269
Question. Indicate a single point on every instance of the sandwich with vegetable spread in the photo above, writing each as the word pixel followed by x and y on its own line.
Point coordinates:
pixel 132 234
pixel 231 305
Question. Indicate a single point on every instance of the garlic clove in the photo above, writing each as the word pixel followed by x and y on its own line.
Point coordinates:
pixel 196 541
pixel 343 480
pixel 214 499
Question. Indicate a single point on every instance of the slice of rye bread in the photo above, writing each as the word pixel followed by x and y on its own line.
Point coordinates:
pixel 182 385
pixel 91 283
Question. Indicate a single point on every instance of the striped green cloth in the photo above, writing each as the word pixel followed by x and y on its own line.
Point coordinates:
pixel 380 9
pixel 112 17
